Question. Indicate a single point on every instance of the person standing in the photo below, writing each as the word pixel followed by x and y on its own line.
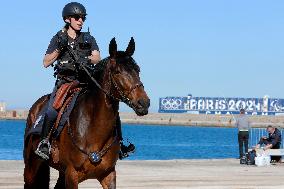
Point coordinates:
pixel 242 122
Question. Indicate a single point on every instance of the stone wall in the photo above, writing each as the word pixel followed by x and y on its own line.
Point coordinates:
pixel 199 120
pixel 175 119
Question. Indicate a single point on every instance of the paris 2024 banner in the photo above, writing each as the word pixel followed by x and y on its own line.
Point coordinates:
pixel 221 105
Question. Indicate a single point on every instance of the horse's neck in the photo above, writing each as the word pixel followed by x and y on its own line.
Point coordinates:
pixel 105 106
pixel 108 105
pixel 97 110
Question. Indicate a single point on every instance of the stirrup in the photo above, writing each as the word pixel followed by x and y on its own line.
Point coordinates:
pixel 131 148
pixel 124 153
pixel 40 153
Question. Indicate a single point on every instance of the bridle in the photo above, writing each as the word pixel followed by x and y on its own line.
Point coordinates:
pixel 124 97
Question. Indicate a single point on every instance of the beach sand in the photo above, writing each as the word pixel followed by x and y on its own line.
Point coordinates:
pixel 180 174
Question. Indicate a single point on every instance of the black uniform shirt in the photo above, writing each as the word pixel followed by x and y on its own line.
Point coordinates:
pixel 54 44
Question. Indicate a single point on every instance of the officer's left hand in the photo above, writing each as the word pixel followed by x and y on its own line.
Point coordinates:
pixel 84 60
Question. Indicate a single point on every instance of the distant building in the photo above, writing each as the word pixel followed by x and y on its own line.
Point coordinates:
pixel 2 107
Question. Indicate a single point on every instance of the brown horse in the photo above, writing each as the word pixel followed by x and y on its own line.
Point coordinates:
pixel 88 145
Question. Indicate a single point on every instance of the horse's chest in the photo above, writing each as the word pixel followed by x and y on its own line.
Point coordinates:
pixel 94 171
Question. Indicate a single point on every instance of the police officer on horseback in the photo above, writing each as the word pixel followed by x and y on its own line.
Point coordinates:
pixel 66 70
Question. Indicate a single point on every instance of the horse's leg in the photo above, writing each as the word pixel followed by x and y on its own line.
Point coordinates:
pixel 36 176
pixel 60 184
pixel 71 178
pixel 36 172
pixel 109 182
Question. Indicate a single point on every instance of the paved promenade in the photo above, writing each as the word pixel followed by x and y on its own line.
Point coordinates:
pixel 173 174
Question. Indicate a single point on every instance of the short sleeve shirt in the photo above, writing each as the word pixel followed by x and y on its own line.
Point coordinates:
pixel 54 44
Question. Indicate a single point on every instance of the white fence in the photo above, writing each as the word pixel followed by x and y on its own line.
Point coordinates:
pixel 257 133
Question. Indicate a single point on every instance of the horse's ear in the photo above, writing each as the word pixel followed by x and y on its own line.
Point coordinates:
pixel 131 47
pixel 112 48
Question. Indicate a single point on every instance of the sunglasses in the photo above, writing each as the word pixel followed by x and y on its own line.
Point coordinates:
pixel 77 17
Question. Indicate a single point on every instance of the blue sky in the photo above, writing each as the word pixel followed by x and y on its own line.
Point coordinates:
pixel 202 47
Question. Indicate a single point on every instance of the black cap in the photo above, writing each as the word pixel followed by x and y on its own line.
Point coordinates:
pixel 73 8
pixel 242 110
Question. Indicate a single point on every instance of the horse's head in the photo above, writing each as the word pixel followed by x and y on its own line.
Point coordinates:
pixel 124 73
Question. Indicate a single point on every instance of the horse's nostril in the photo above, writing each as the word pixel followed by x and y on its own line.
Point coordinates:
pixel 141 102
pixel 144 103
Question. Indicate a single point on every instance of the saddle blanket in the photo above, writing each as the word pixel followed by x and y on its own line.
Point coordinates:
pixel 63 113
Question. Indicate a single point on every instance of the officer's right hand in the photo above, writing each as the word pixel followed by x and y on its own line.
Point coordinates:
pixel 62 40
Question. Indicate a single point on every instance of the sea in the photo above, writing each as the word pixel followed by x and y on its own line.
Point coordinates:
pixel 152 142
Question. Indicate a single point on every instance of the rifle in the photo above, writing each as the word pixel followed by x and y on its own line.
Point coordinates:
pixel 81 65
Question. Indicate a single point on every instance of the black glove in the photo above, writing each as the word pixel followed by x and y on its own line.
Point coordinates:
pixel 84 60
pixel 62 40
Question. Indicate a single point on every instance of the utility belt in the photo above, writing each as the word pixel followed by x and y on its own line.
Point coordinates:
pixel 65 68
pixel 66 78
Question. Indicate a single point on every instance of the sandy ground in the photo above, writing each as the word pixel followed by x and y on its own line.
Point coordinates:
pixel 180 174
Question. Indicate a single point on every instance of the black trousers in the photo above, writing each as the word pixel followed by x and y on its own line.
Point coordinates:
pixel 243 137
pixel 51 113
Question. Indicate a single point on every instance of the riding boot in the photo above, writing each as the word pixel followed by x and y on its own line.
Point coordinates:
pixel 124 150
pixel 43 149
pixel 118 127
pixel 45 127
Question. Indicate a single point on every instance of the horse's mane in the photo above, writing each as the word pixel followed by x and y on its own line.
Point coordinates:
pixel 122 59
pixel 100 66
pixel 97 71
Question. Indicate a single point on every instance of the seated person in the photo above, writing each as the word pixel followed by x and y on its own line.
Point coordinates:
pixel 273 141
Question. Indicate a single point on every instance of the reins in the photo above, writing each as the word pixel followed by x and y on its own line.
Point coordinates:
pixel 124 98
pixel 96 156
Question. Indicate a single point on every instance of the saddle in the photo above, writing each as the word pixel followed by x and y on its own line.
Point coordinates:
pixel 65 90
pixel 65 100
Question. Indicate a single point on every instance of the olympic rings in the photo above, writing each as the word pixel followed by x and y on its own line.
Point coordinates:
pixel 171 103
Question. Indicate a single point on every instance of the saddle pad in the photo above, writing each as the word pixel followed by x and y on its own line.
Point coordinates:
pixel 37 126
